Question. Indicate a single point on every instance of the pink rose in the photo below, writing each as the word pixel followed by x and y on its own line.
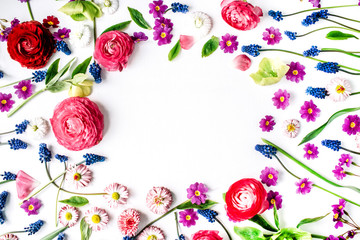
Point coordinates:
pixel 206 235
pixel 240 15
pixel 77 123
pixel 113 49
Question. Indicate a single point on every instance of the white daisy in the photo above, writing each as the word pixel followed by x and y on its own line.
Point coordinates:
pixel 117 194
pixel 108 6
pixel 97 218
pixel 80 35
pixel 291 128
pixel 152 233
pixel 68 216
pixel 339 89
pixel 79 175
pixel 9 237
pixel 38 128
pixel 199 24
pixel 159 200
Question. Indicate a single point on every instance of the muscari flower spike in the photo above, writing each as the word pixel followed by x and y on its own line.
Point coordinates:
pixel 276 15
pixel 181 237
pixel 91 158
pixel 1 74
pixel 8 176
pixel 3 197
pixel 2 219
pixel 314 17
pixel 17 144
pixel 320 93
pixel 252 49
pixel 61 236
pixel 312 52
pixel 21 128
pixel 38 76
pixel 95 71
pixel 291 35
pixel 178 7
pixel 266 150
pixel 332 144
pixel 61 158
pixel 128 238
pixel 328 67
pixel 209 214
pixel 44 153
pixel 34 227
pixel 63 47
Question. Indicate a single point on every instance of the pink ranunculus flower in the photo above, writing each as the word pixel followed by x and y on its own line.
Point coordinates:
pixel 113 49
pixel 240 14
pixel 77 123
pixel 25 184
pixel 206 235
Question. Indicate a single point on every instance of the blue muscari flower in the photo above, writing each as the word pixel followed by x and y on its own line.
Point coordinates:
pixel 8 176
pixel 38 76
pixel 291 35
pixel 61 236
pixel 276 15
pixel 63 47
pixel 34 227
pixel 209 214
pixel 314 17
pixel 44 153
pixel 95 71
pixel 17 144
pixel 91 158
pixel 178 7
pixel 266 150
pixel 252 49
pixel 128 238
pixel 320 93
pixel 181 237
pixel 3 197
pixel 332 144
pixel 1 74
pixel 20 128
pixel 328 67
pixel 312 52
pixel 2 219
pixel 61 158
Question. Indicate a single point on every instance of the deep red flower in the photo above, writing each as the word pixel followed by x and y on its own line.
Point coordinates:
pixel 51 21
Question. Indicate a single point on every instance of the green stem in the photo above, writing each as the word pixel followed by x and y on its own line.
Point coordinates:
pixel 29 8
pixel 340 51
pixel 353 162
pixel 57 196
pixel 347 214
pixel 302 35
pixel 351 174
pixel 4 133
pixel 318 236
pixel 350 150
pixel 295 53
pixel 316 9
pixel 94 26
pixel 24 102
pixel 222 225
pixel 10 84
pixel 341 24
pixel 7 181
pixel 349 19
pixel 168 10
pixel 351 73
pixel 13 232
pixel 177 225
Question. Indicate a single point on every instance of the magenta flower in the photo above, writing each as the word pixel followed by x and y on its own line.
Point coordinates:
pixel 31 206
pixel 272 36
pixel 4 34
pixel 274 198
pixel 24 89
pixel 61 34
pixel 14 23
pixel 197 193
pixel 157 9
pixel 296 72
pixel 269 176
pixel 281 99
pixel 345 159
pixel 5 102
pixel 351 124
pixel 339 172
pixel 304 186
pixel 188 217
pixel 229 43
pixel 311 151
pixel 309 111
pixel 337 218
pixel 315 3
pixel 162 23
pixel 163 36
pixel 267 123
pixel 139 37
pixel 339 207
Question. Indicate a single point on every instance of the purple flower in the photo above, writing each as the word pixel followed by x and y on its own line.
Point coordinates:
pixel 304 186
pixel 315 3
pixel 311 151
pixel 14 22
pixel 229 43
pixel 157 9
pixel 339 207
pixel 269 176
pixel 196 192
pixel 339 172
pixel 61 34
pixel 24 89
pixel 281 99
pixel 188 217
pixel 267 123
pixel 345 159
pixel 139 37
pixel 309 111
pixel 274 198
pixel 296 72
pixel 23 1
pixel 163 23
pixel 4 34
pixel 163 36
pixel 337 218
pixel 31 206
pixel 272 36
pixel 5 102
pixel 351 124
pixel 351 234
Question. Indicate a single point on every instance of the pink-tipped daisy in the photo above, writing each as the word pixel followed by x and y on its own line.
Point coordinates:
pixel 128 222
pixel 97 218
pixel 159 200
pixel 291 128
pixel 9 237
pixel 117 194
pixel 152 233
pixel 79 175
pixel 68 216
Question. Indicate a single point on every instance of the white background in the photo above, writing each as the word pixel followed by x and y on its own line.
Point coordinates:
pixel 194 119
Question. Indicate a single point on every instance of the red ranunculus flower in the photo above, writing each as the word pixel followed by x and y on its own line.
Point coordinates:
pixel 206 235
pixel 31 44
pixel 77 123
pixel 240 14
pixel 244 199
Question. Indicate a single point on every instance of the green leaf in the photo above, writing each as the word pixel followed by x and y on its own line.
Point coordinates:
pixel 276 218
pixel 138 18
pixel 54 234
pixel 60 74
pixel 317 131
pixel 119 27
pixel 210 46
pixel 81 10
pixel 258 219
pixel 91 10
pixel 249 233
pixel 82 67
pixel 224 196
pixel 310 220
pixel 52 71
pixel 189 205
pixel 59 87
pixel 174 51
pixel 85 230
pixel 75 201
pixel 291 233
pixel 72 8
pixel 337 35
pixel 78 17
pixel 79 78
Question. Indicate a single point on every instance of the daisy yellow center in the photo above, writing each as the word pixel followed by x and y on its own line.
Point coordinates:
pixel 199 22
pixel 24 88
pixel 272 35
pixel 31 207
pixel 310 111
pixel 295 72
pixel 3 102
pixel 197 193
pixel 291 128
pixel 228 43
pixel 151 237
pixel 107 3
pixel 340 89
pixel 309 152
pixel 352 125
pixel 157 8
pixel 68 216
pixel 188 217
pixel 158 200
pixel 267 123
pixel 35 128
pixel 163 35
pixel 336 216
pixel 302 185
pixel 95 219
pixel 115 196
pixel 272 201
pixel 77 177
pixel 282 99
pixel 50 23
pixel 270 176
pixel 62 36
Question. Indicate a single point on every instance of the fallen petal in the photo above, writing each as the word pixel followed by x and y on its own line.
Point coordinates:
pixel 25 184
pixel 242 62
pixel 186 42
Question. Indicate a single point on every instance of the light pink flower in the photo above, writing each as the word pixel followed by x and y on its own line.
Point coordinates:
pixel 117 194
pixel 80 175
pixel 9 237
pixel 159 200
pixel 186 42
pixel 128 222
pixel 68 216
pixel 97 218
pixel 152 232
pixel 242 62
pixel 25 184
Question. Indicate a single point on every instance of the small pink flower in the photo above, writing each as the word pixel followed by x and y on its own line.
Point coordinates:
pixel 152 232
pixel 272 36
pixel 186 42
pixel 159 200
pixel 25 184
pixel 97 218
pixel 31 206
pixel 242 62
pixel 309 111
pixel 68 216
pixel 117 194
pixel 80 175
pixel 9 237
pixel 128 222
pixel 281 99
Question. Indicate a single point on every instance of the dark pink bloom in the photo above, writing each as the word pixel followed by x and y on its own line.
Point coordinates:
pixel 337 219
pixel 197 193
pixel 351 124
pixel 25 184
pixel 315 3
pixel 51 21
pixel 269 176
pixel 281 99
pixel 61 34
pixel 345 159
pixel 304 186
pixel 309 111
pixel 163 36
pixel 229 43
pixel 24 89
pixel 4 34
pixel 162 23
pixel 31 206
pixel 296 72
pixel 272 36
pixel 14 22
pixel 188 217
pixel 5 102
pixel 139 37
pixel 311 151
pixel 157 9
pixel 242 62
pixel 339 207
pixel 267 124
pixel 274 198
pixel 339 172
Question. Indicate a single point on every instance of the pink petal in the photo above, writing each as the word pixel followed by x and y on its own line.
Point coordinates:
pixel 186 42
pixel 258 11
pixel 242 62
pixel 25 184
pixel 225 2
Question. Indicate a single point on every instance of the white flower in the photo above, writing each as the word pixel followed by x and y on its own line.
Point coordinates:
pixel 68 216
pixel 152 233
pixel 9 237
pixel 80 35
pixel 38 128
pixel 80 175
pixel 338 89
pixel 159 200
pixel 117 194
pixel 108 6
pixel 199 24
pixel 97 218
pixel 291 128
